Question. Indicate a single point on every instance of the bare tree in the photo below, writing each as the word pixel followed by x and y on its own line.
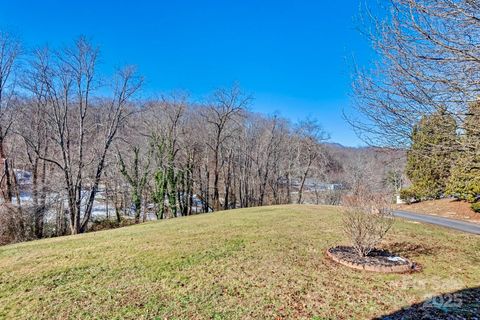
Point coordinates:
pixel 428 61
pixel 309 150
pixel 33 130
pixel 367 219
pixel 225 107
pixel 136 176
pixel 264 158
pixel 70 81
pixel 10 50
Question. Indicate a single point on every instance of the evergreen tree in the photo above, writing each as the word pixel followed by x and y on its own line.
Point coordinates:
pixel 430 158
pixel 464 181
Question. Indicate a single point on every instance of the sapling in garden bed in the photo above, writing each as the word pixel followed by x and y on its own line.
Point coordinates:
pixel 368 217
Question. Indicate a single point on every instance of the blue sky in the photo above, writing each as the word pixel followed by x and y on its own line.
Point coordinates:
pixel 293 56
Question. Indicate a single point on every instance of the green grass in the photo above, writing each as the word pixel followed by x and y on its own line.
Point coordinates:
pixel 251 264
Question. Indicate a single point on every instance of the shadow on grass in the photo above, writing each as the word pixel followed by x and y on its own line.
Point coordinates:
pixel 463 304
pixel 410 249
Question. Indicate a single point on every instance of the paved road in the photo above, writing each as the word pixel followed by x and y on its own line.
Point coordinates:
pixel 440 221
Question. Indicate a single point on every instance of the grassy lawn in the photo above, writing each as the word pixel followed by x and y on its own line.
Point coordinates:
pixel 251 264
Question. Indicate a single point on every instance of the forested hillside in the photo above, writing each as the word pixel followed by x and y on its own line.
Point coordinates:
pixel 84 150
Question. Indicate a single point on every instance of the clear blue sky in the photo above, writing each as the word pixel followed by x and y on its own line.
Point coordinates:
pixel 293 56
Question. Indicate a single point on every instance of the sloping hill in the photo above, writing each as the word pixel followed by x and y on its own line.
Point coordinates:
pixel 252 263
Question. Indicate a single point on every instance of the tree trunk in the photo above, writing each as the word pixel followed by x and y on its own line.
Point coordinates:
pixel 305 174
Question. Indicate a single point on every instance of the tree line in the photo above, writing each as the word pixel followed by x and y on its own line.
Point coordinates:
pixel 422 94
pixel 438 164
pixel 72 137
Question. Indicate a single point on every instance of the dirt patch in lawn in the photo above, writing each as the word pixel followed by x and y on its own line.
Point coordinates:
pixel 448 208
pixel 377 260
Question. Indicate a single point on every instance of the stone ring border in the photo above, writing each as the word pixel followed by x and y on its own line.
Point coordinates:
pixel 403 268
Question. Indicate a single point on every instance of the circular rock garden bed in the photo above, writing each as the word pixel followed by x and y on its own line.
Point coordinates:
pixel 377 260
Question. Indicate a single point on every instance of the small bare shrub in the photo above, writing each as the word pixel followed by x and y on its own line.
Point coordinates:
pixel 332 197
pixel 14 225
pixel 106 224
pixel 367 219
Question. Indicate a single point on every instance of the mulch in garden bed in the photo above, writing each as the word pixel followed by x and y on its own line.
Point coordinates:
pixel 377 261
